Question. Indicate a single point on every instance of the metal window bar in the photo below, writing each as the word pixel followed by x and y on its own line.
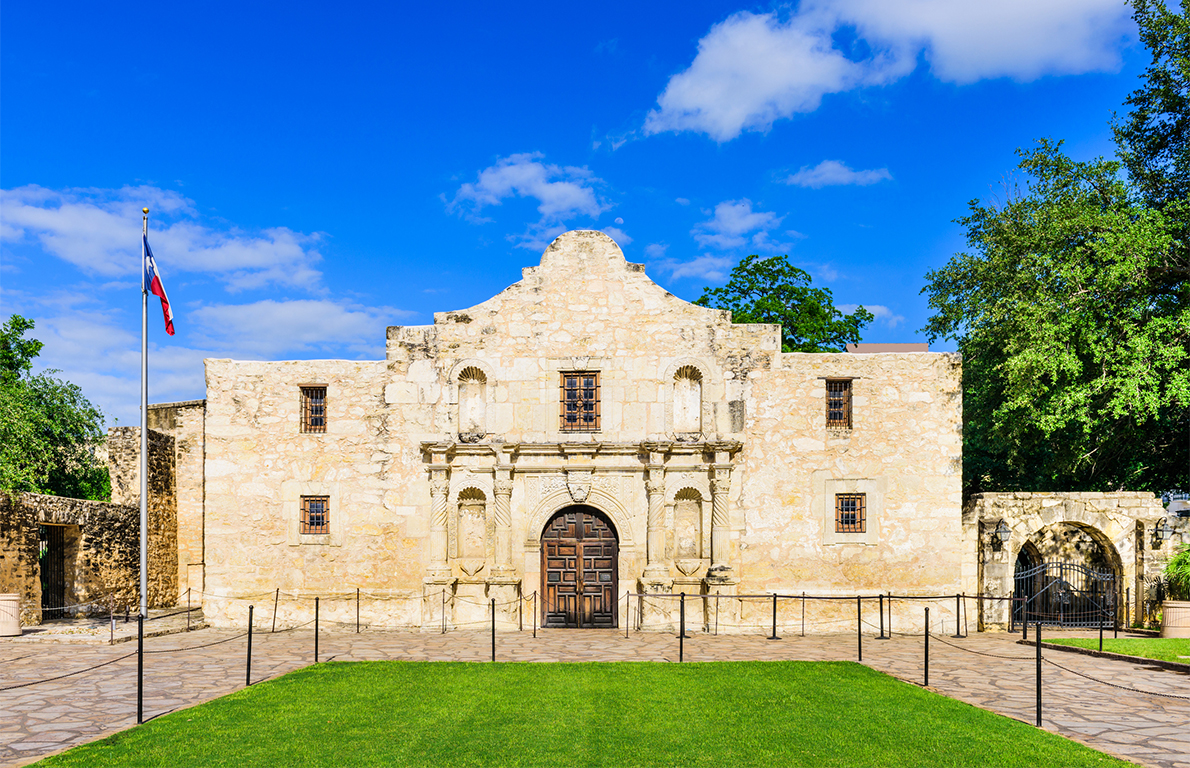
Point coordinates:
pixel 314 409
pixel 580 402
pixel 850 513
pixel 838 403
pixel 316 514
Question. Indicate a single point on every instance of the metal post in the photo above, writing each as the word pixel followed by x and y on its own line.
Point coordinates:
pixel 859 627
pixel 927 651
pixel 803 613
pixel 444 611
pixel 187 609
pixel 716 613
pixel 248 665
pixel 682 627
pixel 1128 606
pixel 140 669
pixel 627 613
pixel 493 629
pixel 774 635
pixel 640 610
pixel 1024 625
pixel 276 598
pixel 881 637
pixel 357 610
pixel 535 614
pixel 957 630
pixel 1101 632
pixel 316 630
pixel 1115 612
pixel 520 613
pixel 1039 674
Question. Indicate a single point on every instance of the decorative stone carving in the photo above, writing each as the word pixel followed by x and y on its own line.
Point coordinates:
pixel 579 485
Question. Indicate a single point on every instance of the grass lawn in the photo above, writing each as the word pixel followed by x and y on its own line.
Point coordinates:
pixel 1163 648
pixel 467 714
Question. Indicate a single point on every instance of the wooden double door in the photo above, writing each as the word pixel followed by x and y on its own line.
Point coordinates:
pixel 579 552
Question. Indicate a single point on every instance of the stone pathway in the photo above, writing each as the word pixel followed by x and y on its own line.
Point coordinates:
pixel 45 718
pixel 102 630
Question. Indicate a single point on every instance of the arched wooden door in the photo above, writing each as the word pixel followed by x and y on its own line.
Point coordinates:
pixel 579 552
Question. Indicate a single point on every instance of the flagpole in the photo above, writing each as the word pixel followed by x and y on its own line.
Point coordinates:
pixel 144 424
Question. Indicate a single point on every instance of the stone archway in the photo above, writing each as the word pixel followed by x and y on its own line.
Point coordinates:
pixel 579 569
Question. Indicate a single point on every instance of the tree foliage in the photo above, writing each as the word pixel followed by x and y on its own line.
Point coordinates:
pixel 1072 307
pixel 48 430
pixel 771 290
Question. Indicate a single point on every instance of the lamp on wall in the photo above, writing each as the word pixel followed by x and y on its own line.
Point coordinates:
pixel 1162 531
pixel 1001 536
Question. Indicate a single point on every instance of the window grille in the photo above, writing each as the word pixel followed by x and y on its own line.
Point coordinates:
pixel 314 409
pixel 316 514
pixel 838 403
pixel 851 513
pixel 580 401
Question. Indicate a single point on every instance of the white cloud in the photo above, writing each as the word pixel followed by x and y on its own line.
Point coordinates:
pixel 655 250
pixel 835 173
pixel 710 268
pixel 96 230
pixel 562 192
pixel 620 236
pixel 882 313
pixel 753 69
pixel 734 224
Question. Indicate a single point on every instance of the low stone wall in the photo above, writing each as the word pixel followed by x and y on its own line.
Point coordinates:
pixel 1064 526
pixel 102 553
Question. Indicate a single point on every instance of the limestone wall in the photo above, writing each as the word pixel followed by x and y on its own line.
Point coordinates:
pixel 185 423
pixel 102 553
pixel 1120 523
pixel 426 505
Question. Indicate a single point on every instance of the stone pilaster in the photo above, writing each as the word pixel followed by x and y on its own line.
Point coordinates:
pixel 439 569
pixel 720 518
pixel 656 569
pixel 502 514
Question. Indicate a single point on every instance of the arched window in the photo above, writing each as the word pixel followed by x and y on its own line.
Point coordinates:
pixel 472 525
pixel 473 386
pixel 688 524
pixel 687 401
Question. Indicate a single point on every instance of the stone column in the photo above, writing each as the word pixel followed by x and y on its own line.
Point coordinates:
pixel 655 487
pixel 502 514
pixel 720 518
pixel 439 488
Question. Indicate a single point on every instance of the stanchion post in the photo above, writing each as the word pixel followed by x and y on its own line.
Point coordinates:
pixel 140 668
pixel 357 610
pixel 682 627
pixel 926 659
pixel 1128 606
pixel 1038 639
pixel 881 637
pixel 1101 631
pixel 957 633
pixel 276 599
pixel 774 635
pixel 1024 621
pixel 444 611
pixel 627 613
pixel 1115 612
pixel 187 609
pixel 520 613
pixel 534 613
pixel 803 613
pixel 716 613
pixel 316 630
pixel 111 609
pixel 493 629
pixel 859 628
pixel 248 662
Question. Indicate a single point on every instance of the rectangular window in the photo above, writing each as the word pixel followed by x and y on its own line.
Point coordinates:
pixel 313 409
pixel 580 402
pixel 850 513
pixel 838 404
pixel 316 514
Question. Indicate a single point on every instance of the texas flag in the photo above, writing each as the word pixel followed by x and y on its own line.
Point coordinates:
pixel 153 284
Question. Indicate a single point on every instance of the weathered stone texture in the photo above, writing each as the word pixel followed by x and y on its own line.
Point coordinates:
pixel 186 423
pixel 102 553
pixel 425 502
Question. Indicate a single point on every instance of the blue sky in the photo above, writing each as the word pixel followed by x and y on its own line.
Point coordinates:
pixel 316 174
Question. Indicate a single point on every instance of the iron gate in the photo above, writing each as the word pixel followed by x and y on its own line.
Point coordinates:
pixel 1065 595
pixel 52 562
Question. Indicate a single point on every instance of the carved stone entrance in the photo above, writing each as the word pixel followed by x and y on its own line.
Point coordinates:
pixel 579 553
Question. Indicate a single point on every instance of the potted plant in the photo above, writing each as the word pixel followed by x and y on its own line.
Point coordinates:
pixel 1176 608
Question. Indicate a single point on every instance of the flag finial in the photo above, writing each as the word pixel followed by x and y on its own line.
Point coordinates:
pixel 146 210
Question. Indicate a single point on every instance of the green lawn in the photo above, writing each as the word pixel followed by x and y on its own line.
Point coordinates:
pixel 465 714
pixel 1163 648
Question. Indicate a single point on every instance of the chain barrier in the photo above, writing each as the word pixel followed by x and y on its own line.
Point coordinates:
pixel 68 674
pixel 1115 685
pixel 198 647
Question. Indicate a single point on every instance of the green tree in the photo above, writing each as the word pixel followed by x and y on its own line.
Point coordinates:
pixel 773 291
pixel 48 430
pixel 1072 309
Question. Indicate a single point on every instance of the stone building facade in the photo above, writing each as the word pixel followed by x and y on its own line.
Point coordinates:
pixel 582 435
